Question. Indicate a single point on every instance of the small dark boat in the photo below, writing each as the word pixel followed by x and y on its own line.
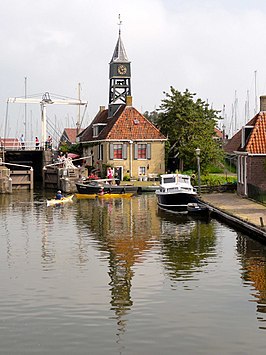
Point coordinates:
pixel 198 210
pixel 150 188
pixel 89 187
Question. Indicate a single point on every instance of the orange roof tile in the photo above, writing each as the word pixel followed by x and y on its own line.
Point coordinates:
pixel 234 144
pixel 9 142
pixel 133 125
pixel 257 141
pixel 126 124
pixel 71 134
pixel 218 133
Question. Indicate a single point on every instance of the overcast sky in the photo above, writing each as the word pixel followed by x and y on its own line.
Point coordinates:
pixel 213 48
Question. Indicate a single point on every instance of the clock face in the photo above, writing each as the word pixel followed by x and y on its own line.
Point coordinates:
pixel 122 69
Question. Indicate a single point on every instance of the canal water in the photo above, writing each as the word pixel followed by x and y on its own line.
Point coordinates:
pixel 120 277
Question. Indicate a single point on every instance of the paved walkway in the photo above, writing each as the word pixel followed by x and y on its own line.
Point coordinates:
pixel 242 208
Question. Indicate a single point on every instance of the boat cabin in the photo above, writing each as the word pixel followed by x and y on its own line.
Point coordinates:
pixel 174 182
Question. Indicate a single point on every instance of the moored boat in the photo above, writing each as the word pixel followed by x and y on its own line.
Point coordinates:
pixel 89 187
pixel 149 188
pixel 198 210
pixel 175 192
pixel 104 195
pixel 54 202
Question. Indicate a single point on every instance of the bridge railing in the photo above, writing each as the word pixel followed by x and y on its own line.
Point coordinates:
pixel 27 145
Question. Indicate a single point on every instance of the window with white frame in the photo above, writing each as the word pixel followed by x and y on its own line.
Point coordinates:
pixel 97 128
pixel 142 151
pixel 118 151
pixel 142 170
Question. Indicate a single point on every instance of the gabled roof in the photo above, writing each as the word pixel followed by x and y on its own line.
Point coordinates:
pixel 70 134
pixel 218 133
pixel 257 141
pixel 126 124
pixel 234 144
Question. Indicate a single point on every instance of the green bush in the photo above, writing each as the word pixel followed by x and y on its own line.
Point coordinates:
pixel 214 169
pixel 217 179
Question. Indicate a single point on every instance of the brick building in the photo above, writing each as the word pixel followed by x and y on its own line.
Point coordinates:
pixel 120 136
pixel 249 146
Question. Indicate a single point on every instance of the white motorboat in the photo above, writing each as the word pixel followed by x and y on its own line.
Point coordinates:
pixel 175 192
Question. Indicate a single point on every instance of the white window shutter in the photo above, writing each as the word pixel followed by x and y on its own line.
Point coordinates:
pixel 124 151
pixel 148 151
pixel 111 151
pixel 135 151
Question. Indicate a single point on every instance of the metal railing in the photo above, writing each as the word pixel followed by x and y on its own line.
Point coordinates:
pixel 27 145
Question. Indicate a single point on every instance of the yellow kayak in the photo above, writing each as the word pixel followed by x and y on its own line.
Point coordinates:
pixel 107 195
pixel 63 200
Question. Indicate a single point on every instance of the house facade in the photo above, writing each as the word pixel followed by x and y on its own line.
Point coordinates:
pixel 249 146
pixel 69 137
pixel 119 135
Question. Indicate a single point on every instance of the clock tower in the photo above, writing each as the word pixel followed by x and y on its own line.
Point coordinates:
pixel 119 76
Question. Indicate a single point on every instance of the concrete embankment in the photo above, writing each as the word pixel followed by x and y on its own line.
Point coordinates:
pixel 241 213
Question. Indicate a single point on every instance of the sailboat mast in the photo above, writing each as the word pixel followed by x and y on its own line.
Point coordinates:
pixel 25 108
pixel 235 111
pixel 256 99
pixel 78 120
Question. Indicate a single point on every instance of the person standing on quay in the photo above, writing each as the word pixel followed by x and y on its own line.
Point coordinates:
pixel 37 143
pixel 49 143
pixel 22 142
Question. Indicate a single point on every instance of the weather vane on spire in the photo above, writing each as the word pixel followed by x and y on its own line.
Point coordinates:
pixel 119 23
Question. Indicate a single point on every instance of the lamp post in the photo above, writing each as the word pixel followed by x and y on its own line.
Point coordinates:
pixel 198 164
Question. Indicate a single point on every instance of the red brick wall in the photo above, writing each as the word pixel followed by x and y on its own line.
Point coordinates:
pixel 256 171
pixel 256 174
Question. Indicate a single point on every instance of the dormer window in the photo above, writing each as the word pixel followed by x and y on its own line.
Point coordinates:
pixel 97 128
pixel 246 131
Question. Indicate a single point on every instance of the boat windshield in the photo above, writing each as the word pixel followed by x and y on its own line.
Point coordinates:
pixel 168 180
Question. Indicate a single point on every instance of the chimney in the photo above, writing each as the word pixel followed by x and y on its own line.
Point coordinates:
pixel 129 101
pixel 263 103
pixel 102 108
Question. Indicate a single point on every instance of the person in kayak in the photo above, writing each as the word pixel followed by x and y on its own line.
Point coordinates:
pixel 59 195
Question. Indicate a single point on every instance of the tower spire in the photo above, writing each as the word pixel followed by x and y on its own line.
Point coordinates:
pixel 119 54
pixel 119 76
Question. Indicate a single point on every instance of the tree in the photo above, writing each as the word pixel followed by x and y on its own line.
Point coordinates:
pixel 189 124
pixel 151 116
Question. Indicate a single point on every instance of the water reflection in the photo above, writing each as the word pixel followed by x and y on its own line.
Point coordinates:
pixel 124 228
pixel 128 229
pixel 154 262
pixel 253 259
pixel 15 209
pixel 186 245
